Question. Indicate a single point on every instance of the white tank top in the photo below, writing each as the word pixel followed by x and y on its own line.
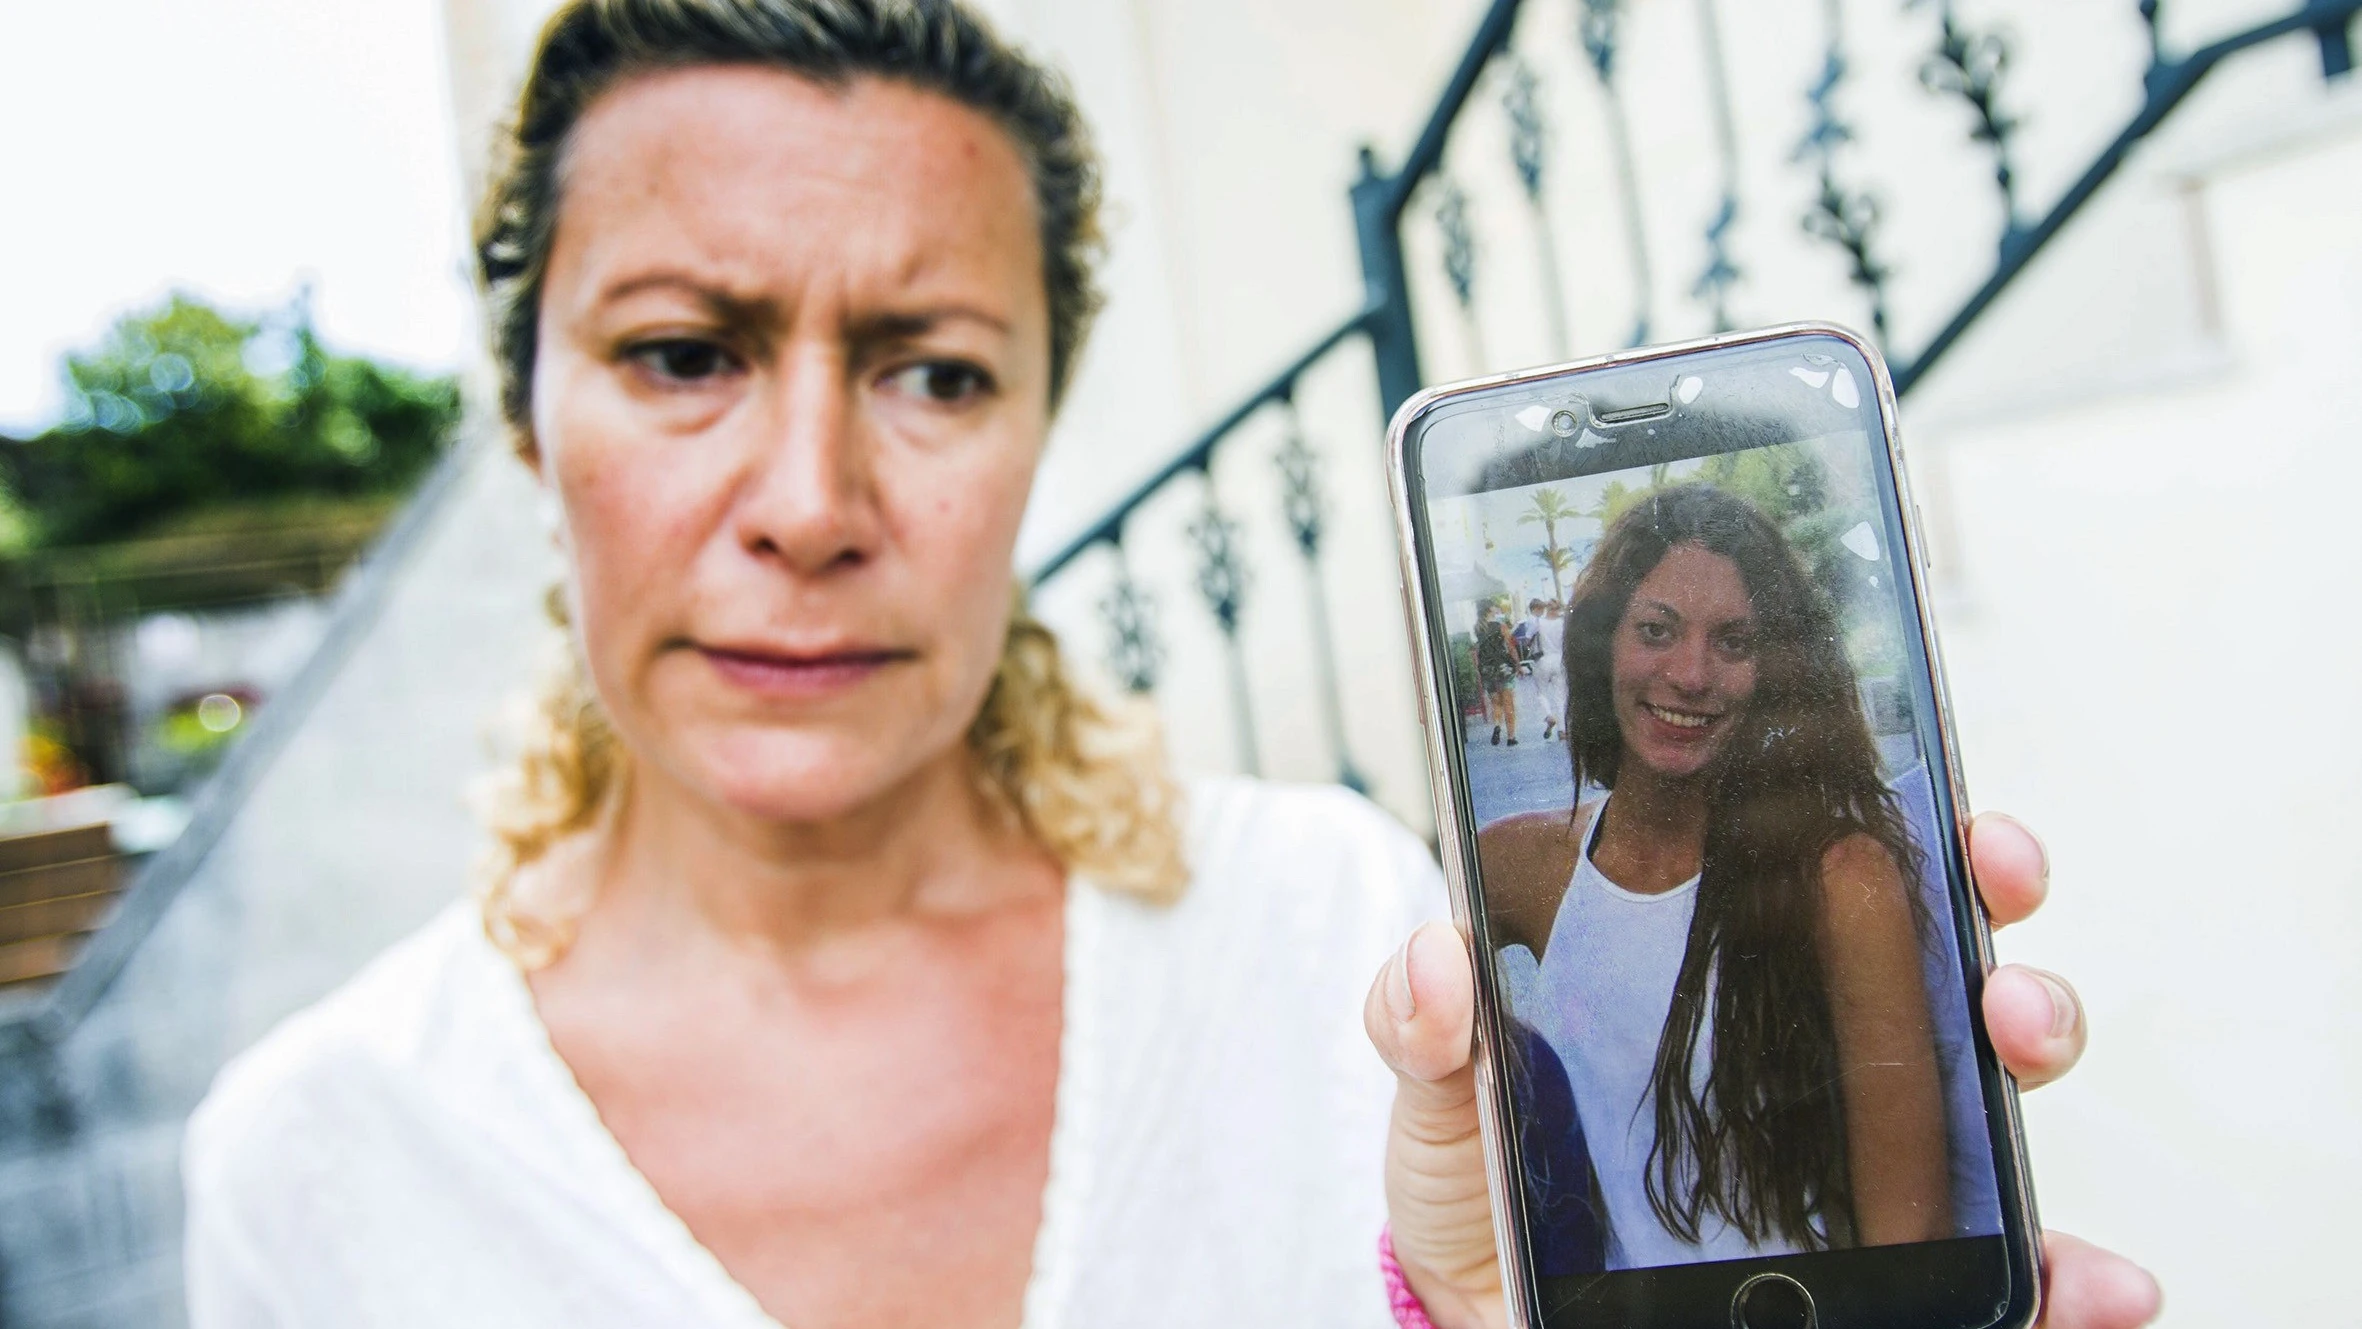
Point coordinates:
pixel 1604 988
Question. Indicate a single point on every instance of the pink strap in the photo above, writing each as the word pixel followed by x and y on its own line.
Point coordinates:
pixel 1409 1311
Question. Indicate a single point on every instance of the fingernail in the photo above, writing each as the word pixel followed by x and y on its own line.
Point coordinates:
pixel 1400 1002
pixel 2065 1011
pixel 2041 850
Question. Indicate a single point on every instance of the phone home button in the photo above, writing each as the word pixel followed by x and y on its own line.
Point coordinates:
pixel 1772 1301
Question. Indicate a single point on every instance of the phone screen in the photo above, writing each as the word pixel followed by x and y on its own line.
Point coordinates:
pixel 1692 725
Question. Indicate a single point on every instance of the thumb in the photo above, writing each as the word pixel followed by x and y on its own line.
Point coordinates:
pixel 1421 1015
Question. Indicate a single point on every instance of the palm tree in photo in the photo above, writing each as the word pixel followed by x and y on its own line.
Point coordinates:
pixel 1614 497
pixel 1548 510
pixel 1560 562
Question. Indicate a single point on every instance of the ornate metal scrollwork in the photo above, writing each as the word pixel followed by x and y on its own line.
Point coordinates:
pixel 1529 135
pixel 1459 261
pixel 1529 147
pixel 1299 473
pixel 1222 580
pixel 1840 215
pixel 1595 25
pixel 1134 652
pixel 1722 270
pixel 1970 65
pixel 1221 576
pixel 1300 492
pixel 1459 240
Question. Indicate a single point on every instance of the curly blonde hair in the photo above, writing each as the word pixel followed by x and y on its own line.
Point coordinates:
pixel 1090 785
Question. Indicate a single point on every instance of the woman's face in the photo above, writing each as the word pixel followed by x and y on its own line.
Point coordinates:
pixel 1683 665
pixel 792 382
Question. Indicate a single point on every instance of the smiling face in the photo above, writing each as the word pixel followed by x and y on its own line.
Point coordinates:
pixel 792 382
pixel 1683 665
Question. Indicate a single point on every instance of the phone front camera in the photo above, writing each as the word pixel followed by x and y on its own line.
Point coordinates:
pixel 1564 424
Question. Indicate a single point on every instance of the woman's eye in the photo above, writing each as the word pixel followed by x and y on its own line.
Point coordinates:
pixel 683 359
pixel 943 382
pixel 1653 633
pixel 1737 645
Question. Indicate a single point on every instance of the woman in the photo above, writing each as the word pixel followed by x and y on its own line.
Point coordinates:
pixel 841 965
pixel 1494 652
pixel 1729 940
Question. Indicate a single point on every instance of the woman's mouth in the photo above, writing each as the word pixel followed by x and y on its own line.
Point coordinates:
pixel 799 674
pixel 1694 721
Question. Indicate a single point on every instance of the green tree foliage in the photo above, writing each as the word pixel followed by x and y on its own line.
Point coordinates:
pixel 1550 507
pixel 184 409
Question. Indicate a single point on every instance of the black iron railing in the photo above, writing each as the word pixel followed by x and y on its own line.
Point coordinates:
pixel 1961 63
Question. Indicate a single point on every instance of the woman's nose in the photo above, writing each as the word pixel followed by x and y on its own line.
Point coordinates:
pixel 1688 667
pixel 811 500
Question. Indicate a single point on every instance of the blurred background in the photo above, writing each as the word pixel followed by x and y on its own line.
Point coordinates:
pixel 266 572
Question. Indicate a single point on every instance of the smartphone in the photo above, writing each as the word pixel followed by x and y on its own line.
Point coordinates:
pixel 1700 808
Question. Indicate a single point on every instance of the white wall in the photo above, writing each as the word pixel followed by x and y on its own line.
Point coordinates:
pixel 2154 655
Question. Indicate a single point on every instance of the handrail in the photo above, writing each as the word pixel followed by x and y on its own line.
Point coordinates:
pixel 1390 195
pixel 2169 82
pixel 1199 453
pixel 1492 33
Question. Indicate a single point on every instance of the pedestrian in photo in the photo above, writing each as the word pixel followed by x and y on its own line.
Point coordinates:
pixel 1496 654
pixel 1539 646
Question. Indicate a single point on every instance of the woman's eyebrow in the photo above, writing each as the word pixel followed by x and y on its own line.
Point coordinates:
pixel 906 325
pixel 671 279
pixel 725 306
pixel 752 311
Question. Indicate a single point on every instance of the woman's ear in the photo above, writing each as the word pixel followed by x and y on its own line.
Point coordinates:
pixel 550 514
pixel 524 440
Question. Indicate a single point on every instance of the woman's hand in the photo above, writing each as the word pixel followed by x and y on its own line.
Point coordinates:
pixel 1421 1013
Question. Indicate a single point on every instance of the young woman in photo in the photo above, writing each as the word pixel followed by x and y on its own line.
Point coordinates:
pixel 1728 939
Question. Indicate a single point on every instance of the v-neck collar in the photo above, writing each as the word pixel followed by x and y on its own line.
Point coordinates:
pixel 721 1299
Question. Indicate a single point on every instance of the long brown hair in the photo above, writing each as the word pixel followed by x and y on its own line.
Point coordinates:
pixel 1764 1145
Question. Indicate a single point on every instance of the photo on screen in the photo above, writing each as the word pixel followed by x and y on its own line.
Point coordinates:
pixel 1761 1046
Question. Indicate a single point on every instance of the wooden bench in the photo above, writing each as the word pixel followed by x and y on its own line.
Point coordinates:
pixel 56 887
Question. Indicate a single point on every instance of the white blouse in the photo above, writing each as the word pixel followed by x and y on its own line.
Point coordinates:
pixel 411 1151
